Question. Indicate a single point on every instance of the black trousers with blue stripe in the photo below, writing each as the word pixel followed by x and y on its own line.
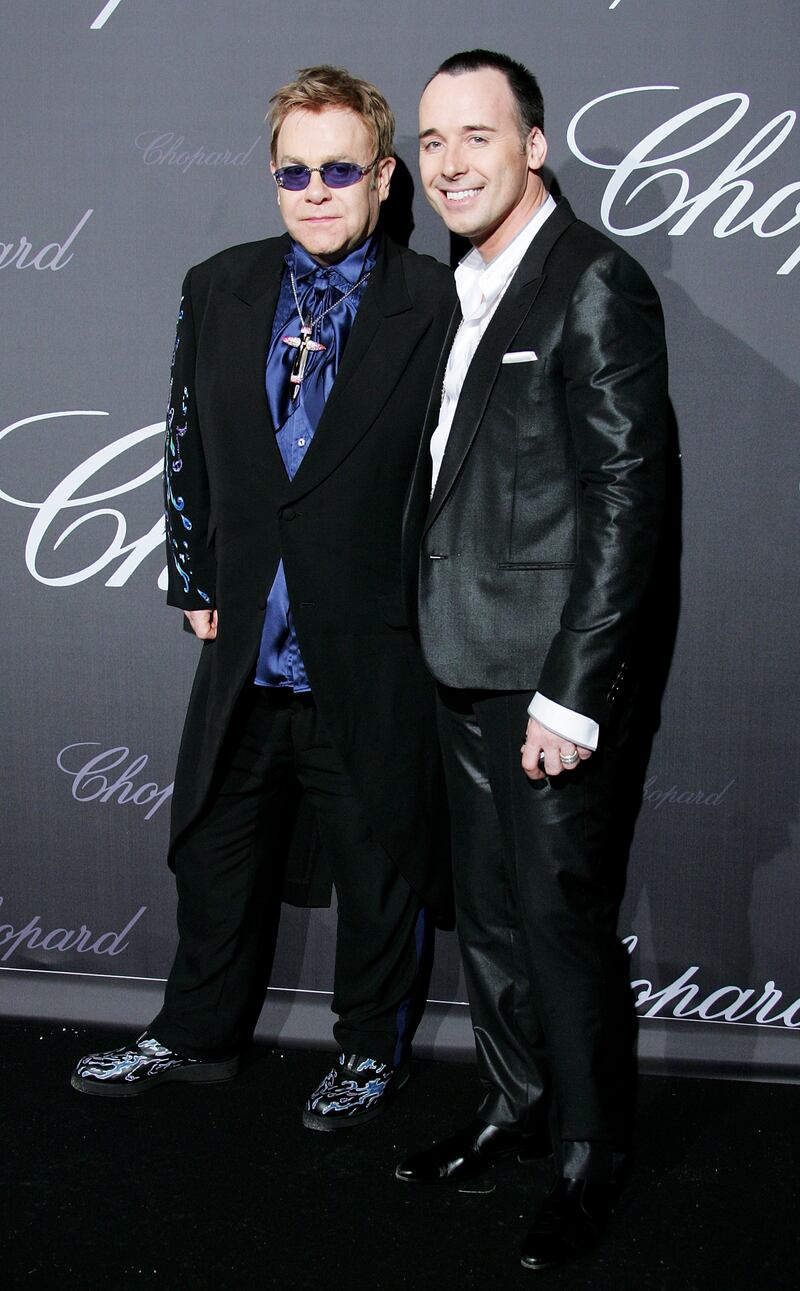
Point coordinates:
pixel 229 869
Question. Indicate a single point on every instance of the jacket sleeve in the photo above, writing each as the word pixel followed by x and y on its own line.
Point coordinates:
pixel 190 558
pixel 615 369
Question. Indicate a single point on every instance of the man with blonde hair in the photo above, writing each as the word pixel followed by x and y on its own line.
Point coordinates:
pixel 300 378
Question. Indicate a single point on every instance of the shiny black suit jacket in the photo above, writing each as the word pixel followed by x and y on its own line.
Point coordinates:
pixel 540 537
pixel 336 525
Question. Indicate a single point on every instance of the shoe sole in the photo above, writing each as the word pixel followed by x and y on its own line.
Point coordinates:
pixel 573 1257
pixel 314 1122
pixel 453 1180
pixel 211 1073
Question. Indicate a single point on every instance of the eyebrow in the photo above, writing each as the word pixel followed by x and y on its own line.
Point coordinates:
pixel 424 134
pixel 291 160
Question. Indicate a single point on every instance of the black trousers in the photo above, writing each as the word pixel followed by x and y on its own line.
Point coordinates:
pixel 538 880
pixel 228 871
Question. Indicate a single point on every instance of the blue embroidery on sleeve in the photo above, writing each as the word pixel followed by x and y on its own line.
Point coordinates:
pixel 177 426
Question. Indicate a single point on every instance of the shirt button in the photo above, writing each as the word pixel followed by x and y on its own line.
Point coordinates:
pixel 301 443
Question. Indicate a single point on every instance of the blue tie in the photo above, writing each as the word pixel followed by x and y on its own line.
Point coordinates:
pixel 316 294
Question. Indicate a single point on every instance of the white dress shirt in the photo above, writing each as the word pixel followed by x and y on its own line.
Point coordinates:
pixel 480 288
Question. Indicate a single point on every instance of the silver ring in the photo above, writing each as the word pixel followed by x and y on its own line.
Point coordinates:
pixel 569 759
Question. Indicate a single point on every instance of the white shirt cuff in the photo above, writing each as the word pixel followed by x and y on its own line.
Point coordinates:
pixel 564 721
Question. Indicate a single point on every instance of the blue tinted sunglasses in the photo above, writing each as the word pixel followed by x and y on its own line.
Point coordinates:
pixel 334 174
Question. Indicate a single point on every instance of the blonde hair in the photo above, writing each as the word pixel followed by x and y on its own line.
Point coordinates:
pixel 318 88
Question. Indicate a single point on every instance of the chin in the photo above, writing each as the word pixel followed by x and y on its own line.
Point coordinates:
pixel 464 228
pixel 323 246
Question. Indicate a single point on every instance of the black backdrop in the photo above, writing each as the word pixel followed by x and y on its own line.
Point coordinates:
pixel 134 145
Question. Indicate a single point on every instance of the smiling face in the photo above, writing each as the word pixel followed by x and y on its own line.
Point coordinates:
pixel 330 222
pixel 477 172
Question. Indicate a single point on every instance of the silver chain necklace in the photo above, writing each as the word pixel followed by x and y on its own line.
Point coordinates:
pixel 304 343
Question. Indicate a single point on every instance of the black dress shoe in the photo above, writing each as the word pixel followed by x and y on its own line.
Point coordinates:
pixel 571 1221
pixel 356 1090
pixel 470 1152
pixel 133 1069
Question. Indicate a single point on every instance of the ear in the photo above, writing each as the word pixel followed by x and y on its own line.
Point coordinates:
pixel 536 149
pixel 383 176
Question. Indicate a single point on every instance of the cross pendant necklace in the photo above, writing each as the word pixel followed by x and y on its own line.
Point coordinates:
pixel 305 343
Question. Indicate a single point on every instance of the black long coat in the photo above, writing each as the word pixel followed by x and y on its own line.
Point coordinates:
pixel 232 514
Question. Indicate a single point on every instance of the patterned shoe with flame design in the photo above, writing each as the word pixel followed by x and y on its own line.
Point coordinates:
pixel 133 1069
pixel 356 1090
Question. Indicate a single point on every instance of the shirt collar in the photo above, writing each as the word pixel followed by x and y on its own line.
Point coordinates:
pixel 354 265
pixel 479 284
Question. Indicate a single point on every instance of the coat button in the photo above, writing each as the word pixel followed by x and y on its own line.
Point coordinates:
pixel 288 513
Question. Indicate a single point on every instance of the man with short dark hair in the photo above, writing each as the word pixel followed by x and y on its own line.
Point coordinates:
pixel 300 378
pixel 539 492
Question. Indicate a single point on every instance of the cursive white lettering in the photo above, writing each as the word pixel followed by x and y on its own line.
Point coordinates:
pixel 65 497
pixel 33 937
pixel 656 797
pixel 680 993
pixel 165 148
pixel 90 783
pixel 51 256
pixel 104 14
pixel 730 186
pixel 679 999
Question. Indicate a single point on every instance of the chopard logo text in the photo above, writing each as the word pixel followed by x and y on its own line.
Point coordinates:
pixel 684 998
pixel 656 796
pixel 52 524
pixel 21 254
pixel 731 199
pixel 109 776
pixel 32 936
pixel 166 148
pixel 104 14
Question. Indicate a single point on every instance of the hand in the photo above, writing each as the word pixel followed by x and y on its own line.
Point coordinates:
pixel 203 623
pixel 539 740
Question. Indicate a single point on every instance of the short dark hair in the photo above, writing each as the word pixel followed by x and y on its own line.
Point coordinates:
pixel 522 83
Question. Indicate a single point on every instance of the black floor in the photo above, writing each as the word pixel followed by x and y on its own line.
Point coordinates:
pixel 221 1187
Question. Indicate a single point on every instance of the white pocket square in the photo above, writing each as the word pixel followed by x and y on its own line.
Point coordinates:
pixel 520 356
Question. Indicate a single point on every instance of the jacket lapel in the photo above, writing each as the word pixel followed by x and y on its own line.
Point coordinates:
pixel 250 310
pixel 385 333
pixel 420 488
pixel 435 399
pixel 487 360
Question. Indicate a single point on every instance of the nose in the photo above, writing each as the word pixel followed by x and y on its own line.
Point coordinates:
pixel 317 191
pixel 453 161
